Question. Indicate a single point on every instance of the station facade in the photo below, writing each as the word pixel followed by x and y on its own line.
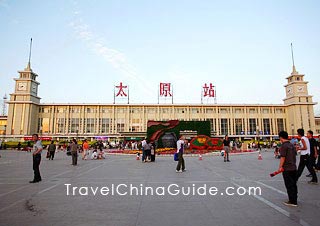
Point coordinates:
pixel 27 115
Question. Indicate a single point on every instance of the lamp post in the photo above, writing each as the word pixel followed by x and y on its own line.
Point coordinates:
pixel 292 130
pixel 258 138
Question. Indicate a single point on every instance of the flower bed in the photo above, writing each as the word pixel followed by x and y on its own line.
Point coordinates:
pixel 171 151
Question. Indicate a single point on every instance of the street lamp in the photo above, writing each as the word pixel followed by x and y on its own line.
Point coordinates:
pixel 258 138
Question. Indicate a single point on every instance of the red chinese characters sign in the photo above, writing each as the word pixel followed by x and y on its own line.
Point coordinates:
pixel 208 90
pixel 121 90
pixel 165 89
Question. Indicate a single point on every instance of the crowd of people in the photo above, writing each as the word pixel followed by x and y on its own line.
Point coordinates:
pixel 148 151
pixel 308 148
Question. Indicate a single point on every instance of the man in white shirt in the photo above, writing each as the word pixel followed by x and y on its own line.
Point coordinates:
pixel 37 149
pixel 180 148
pixel 305 160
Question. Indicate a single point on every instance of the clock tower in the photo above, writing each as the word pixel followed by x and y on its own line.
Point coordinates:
pixel 24 104
pixel 299 103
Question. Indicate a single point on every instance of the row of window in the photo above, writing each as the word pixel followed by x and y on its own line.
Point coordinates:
pixel 105 125
pixel 163 110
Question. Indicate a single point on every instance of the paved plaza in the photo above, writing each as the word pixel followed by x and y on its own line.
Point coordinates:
pixel 47 203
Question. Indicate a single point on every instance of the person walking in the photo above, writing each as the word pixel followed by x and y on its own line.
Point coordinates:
pixel 318 161
pixel 144 144
pixel 153 151
pixel 51 150
pixel 74 152
pixel 36 154
pixel 85 147
pixel 148 152
pixel 305 157
pixel 313 150
pixel 180 148
pixel 288 166
pixel 226 148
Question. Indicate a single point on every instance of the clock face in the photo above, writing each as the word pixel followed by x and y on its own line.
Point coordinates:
pixel 290 90
pixel 300 88
pixel 34 88
pixel 22 86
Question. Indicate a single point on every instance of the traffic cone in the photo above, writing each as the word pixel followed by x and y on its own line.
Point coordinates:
pixel 138 156
pixel 200 157
pixel 259 156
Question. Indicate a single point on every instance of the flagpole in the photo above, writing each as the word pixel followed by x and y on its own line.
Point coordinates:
pixel 215 95
pixel 114 94
pixel 158 95
pixel 172 94
pixel 128 94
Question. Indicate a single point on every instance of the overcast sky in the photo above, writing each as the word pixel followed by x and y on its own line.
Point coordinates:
pixel 81 49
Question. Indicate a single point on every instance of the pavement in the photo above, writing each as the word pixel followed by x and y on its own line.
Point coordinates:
pixel 47 203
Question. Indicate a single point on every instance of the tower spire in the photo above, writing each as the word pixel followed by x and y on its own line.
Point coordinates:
pixel 294 71
pixel 29 61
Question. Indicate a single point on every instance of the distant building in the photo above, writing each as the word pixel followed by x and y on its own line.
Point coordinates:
pixel 3 125
pixel 317 129
pixel 28 115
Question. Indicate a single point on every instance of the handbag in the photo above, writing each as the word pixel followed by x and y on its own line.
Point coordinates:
pixel 176 156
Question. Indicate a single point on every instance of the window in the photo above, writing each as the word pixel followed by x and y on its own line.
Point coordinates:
pixel 151 110
pixel 120 124
pixel 252 110
pixel 105 125
pixel 135 110
pixel 265 110
pixel 252 125
pixel 238 111
pixel 74 125
pixel 61 110
pixel 224 126
pixel 238 126
pixel 165 110
pixel 40 125
pixel 212 123
pixel 135 120
pixel 280 124
pixel 90 123
pixel 75 110
pixel 61 125
pixel 266 126
pixel 223 110
pixel 105 110
pixel 195 110
pixel 121 110
pixel 180 110
pixel 209 111
pixel 279 110
pixel 135 128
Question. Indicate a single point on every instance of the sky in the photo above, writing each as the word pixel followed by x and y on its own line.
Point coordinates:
pixel 82 49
